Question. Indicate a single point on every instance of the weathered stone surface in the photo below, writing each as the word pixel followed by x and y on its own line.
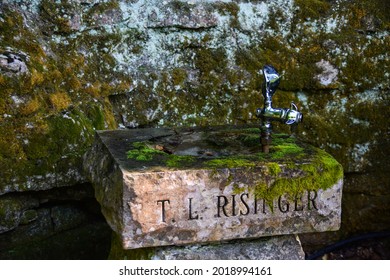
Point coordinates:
pixel 12 62
pixel 13 209
pixel 53 224
pixel 286 247
pixel 276 248
pixel 87 65
pixel 97 65
pixel 212 193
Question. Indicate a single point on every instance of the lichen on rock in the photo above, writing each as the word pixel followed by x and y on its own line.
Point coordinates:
pixel 68 68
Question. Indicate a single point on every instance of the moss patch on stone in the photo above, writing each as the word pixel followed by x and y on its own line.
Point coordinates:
pixel 321 173
pixel 282 150
pixel 232 162
pixel 179 161
pixel 143 152
pixel 60 93
pixel 148 152
pixel 273 168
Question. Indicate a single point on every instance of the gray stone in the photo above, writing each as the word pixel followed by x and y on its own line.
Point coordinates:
pixel 13 62
pixel 183 15
pixel 274 248
pixel 329 73
pixel 286 247
pixel 12 210
pixel 150 203
pixel 28 216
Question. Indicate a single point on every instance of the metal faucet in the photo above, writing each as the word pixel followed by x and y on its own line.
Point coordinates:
pixel 268 113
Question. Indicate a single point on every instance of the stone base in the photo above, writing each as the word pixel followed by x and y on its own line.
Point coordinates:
pixel 176 187
pixel 286 247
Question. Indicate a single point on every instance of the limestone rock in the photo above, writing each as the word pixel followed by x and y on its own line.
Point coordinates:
pixel 275 248
pixel 108 64
pixel 12 62
pixel 13 211
pixel 329 73
pixel 187 189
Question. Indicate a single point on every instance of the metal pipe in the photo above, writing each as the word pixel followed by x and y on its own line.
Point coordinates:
pixel 268 113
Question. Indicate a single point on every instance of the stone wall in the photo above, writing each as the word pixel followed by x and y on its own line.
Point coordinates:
pixel 68 68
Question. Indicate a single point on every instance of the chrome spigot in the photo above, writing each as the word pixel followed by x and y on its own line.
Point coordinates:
pixel 268 113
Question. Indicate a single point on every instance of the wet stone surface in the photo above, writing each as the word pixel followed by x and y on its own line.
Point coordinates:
pixel 160 187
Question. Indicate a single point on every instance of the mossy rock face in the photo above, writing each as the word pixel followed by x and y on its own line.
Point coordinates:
pixel 68 68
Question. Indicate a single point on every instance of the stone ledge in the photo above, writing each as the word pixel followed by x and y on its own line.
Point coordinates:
pixel 286 247
pixel 221 188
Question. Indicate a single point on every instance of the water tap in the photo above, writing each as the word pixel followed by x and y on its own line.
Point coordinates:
pixel 268 113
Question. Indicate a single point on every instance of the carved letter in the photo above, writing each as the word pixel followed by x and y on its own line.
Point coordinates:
pixel 255 210
pixel 219 205
pixel 312 199
pixel 296 206
pixel 245 204
pixel 190 211
pixel 163 208
pixel 234 205
pixel 280 205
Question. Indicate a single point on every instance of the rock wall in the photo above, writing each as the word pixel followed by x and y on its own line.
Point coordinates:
pixel 70 67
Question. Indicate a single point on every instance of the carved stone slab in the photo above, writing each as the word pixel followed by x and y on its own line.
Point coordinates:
pixel 206 186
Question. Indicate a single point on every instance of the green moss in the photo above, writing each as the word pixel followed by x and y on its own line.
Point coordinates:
pixel 250 139
pixel 312 9
pixel 57 14
pixel 143 152
pixel 322 173
pixel 230 163
pixel 283 150
pixel 179 76
pixel 273 168
pixel 97 116
pixel 252 130
pixel 231 9
pixel 208 60
pixel 179 161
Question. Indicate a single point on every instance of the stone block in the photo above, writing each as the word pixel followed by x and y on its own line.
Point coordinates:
pixel 160 187
pixel 286 247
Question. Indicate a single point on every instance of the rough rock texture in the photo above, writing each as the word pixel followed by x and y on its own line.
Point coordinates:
pixel 276 248
pixel 70 67
pixel 55 224
pixel 199 192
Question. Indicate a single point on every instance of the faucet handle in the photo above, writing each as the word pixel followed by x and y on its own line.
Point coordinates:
pixel 271 81
pixel 293 115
